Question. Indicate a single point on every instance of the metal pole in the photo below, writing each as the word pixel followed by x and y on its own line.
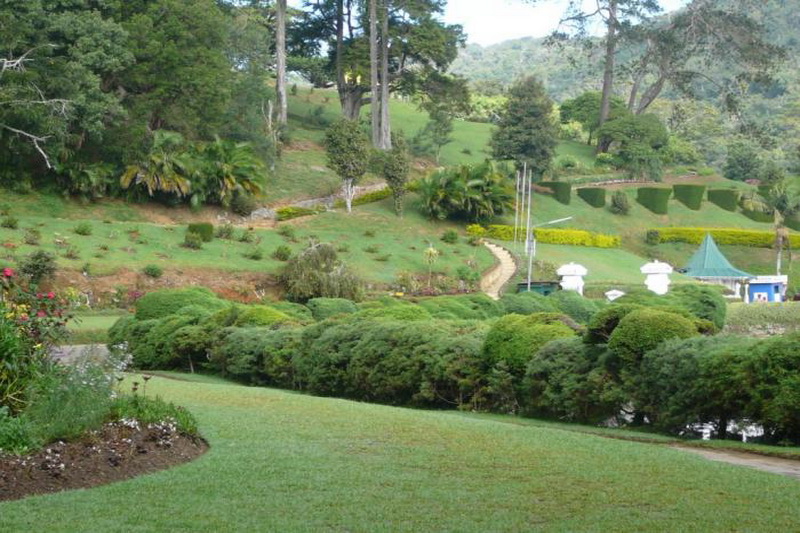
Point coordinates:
pixel 516 210
pixel 529 175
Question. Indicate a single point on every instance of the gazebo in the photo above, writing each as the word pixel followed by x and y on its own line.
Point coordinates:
pixel 709 265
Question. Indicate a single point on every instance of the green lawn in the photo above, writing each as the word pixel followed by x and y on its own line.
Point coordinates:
pixel 287 462
pixel 92 327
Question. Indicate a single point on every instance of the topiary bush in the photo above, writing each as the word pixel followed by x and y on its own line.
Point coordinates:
pixel 594 196
pixel 262 316
pixel 620 205
pixel 324 308
pixel 703 301
pixel 204 229
pixel 562 191
pixel 605 321
pixel 162 303
pixel 727 199
pixel 642 330
pixel 656 199
pixel 464 307
pixel 514 339
pixel 690 195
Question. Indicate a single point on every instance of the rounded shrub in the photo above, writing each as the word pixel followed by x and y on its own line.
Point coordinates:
pixel 262 315
pixel 299 312
pixel 514 339
pixel 703 301
pixel 642 330
pixel 153 271
pixel 396 312
pixel 604 322
pixel 159 304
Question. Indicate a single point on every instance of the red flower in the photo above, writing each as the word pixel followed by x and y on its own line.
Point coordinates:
pixel 41 314
pixel 51 295
pixel 7 273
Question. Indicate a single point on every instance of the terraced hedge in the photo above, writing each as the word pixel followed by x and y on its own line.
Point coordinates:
pixel 690 195
pixel 656 199
pixel 594 196
pixel 561 191
pixel 727 199
pixel 738 237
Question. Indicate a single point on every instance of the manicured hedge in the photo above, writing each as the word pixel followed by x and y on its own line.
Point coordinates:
pixel 690 195
pixel 557 236
pixel 368 198
pixel 167 302
pixel 738 237
pixel 288 213
pixel 324 308
pixel 594 196
pixel 758 216
pixel 562 191
pixel 204 229
pixel 727 199
pixel 656 199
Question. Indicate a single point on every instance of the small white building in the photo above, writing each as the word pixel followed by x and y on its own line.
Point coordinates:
pixel 572 276
pixel 657 279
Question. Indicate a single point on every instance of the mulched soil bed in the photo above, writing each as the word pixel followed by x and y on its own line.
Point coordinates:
pixel 119 450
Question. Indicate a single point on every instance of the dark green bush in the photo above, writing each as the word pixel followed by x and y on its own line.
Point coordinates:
pixel 262 315
pixel 690 195
pixel 316 272
pixel 525 303
pixel 605 321
pixel 299 312
pixel 594 196
pixel 450 236
pixel 162 303
pixel 153 271
pixel 573 304
pixel 759 216
pixel 9 222
pixel 225 231
pixel 243 204
pixel 703 301
pixel 324 308
pixel 282 253
pixel 514 339
pixel 562 191
pixel 396 312
pixel 565 380
pixel 254 253
pixel 83 229
pixel 192 241
pixel 656 199
pixel 464 307
pixel 204 229
pixel 620 205
pixel 643 329
pixel 38 267
pixel 240 352
pixel 727 199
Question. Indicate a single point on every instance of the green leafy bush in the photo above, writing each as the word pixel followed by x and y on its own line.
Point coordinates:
pixel 204 229
pixel 463 307
pixel 316 272
pixel 594 196
pixel 450 236
pixel 282 253
pixel 9 222
pixel 37 267
pixel 226 231
pixel 574 305
pixel 656 199
pixel 324 308
pixel 562 191
pixel 643 329
pixel 83 228
pixel 254 253
pixel 515 339
pixel 166 302
pixel 243 204
pixel 605 321
pixel 288 213
pixel 620 205
pixel 153 271
pixel 192 241
pixel 262 315
pixel 727 199
pixel 525 303
pixel 690 195
pixel 759 216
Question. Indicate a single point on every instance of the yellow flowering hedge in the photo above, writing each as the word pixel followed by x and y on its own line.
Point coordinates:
pixel 573 237
pixel 739 237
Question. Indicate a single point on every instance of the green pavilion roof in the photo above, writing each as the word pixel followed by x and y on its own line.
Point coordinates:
pixel 708 262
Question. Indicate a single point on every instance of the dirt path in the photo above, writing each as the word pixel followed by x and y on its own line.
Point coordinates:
pixel 775 465
pixel 67 354
pixel 493 282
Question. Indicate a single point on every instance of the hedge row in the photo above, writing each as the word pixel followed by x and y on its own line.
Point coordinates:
pixel 288 213
pixel 572 237
pixel 727 199
pixel 594 196
pixel 368 198
pixel 758 216
pixel 690 195
pixel 656 199
pixel 738 237
pixel 562 191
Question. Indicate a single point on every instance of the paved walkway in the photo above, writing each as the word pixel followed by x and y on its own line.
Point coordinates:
pixel 494 281
pixel 775 465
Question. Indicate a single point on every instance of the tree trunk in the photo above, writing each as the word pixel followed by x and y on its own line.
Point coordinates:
pixel 386 125
pixel 352 99
pixel 340 82
pixel 373 73
pixel 608 71
pixel 348 191
pixel 637 82
pixel 722 428
pixel 651 94
pixel 280 52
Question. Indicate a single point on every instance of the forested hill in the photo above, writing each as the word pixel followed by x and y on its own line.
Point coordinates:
pixel 568 72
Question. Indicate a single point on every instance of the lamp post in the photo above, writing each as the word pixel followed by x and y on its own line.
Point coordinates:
pixel 532 244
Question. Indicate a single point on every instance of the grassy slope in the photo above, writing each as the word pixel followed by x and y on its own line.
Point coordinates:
pixel 287 462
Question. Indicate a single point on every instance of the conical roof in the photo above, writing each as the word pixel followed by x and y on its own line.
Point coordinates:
pixel 708 262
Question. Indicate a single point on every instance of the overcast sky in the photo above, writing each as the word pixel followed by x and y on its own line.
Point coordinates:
pixel 492 21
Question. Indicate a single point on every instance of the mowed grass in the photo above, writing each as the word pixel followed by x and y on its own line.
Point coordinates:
pixel 91 327
pixel 287 462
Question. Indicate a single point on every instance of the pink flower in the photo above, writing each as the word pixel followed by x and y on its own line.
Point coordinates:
pixel 51 295
pixel 41 314
pixel 7 273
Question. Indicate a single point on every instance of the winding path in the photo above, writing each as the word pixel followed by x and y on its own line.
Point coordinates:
pixel 775 465
pixel 494 281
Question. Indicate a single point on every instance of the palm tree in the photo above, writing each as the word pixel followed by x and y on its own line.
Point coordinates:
pixel 166 168
pixel 230 167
